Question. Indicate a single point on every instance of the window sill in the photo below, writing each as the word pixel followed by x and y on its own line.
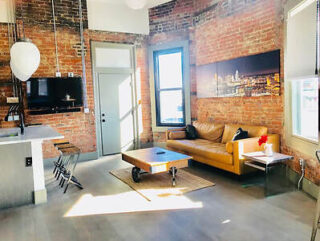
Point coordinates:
pixel 163 128
pixel 302 145
pixel 305 139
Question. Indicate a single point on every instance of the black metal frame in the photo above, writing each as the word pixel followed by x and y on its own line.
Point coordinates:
pixel 156 55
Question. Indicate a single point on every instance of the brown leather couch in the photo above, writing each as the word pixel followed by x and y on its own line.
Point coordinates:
pixel 215 147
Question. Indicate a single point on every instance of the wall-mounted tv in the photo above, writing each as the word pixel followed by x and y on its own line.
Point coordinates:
pixel 54 93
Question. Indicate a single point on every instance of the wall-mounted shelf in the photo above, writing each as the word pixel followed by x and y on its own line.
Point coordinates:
pixel 54 111
pixel 8 104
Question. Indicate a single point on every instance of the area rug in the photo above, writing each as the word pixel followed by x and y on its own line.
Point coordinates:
pixel 160 186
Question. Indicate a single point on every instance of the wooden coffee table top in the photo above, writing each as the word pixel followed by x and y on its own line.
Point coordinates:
pixel 150 161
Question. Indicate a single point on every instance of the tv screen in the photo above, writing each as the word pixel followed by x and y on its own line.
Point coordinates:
pixel 54 92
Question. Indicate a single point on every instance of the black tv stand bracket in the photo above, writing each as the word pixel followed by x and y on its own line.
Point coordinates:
pixel 54 111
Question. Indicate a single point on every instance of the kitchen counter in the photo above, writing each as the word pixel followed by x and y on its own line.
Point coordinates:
pixel 21 183
pixel 32 133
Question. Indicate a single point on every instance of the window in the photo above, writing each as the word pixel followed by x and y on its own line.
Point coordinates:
pixel 301 65
pixel 169 87
pixel 305 108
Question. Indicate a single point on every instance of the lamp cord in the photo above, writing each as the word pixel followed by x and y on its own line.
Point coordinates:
pixel 55 36
pixel 23 33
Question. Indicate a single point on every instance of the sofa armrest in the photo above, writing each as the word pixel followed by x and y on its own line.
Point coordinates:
pixel 175 129
pixel 251 145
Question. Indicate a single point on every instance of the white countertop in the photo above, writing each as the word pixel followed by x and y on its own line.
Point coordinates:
pixel 32 133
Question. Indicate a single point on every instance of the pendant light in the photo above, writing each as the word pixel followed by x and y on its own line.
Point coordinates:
pixel 136 4
pixel 25 57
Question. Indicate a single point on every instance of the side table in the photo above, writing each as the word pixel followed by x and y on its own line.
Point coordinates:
pixel 276 180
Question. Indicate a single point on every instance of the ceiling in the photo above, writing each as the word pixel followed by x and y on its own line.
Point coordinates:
pixel 149 3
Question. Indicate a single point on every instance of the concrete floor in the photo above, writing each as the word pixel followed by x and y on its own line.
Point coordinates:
pixel 108 209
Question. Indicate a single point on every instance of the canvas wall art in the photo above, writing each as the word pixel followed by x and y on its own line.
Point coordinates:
pixel 254 75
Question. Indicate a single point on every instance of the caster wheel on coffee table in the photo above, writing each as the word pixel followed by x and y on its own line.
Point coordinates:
pixel 173 171
pixel 136 175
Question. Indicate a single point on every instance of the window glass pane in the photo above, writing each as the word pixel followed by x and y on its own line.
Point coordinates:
pixel 170 70
pixel 301 39
pixel 171 107
pixel 305 108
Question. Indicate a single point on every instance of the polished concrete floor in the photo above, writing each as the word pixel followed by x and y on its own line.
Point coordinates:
pixel 108 209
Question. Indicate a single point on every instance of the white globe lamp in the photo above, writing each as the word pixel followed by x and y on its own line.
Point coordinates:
pixel 25 59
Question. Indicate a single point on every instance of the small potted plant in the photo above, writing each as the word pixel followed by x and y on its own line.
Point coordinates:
pixel 267 147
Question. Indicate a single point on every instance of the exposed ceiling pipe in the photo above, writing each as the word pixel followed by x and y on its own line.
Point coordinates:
pixel 55 39
pixel 84 78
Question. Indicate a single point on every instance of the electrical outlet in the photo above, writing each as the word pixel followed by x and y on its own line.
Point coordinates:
pixel 86 110
pixel 70 74
pixel 58 74
pixel 28 161
pixel 12 100
pixel 16 118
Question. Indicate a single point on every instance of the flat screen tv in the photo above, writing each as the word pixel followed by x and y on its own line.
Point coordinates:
pixel 48 93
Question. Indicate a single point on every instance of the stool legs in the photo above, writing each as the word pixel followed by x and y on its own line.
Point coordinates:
pixel 76 157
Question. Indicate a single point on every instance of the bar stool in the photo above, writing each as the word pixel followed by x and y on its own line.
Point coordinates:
pixel 62 160
pixel 57 144
pixel 70 157
pixel 66 163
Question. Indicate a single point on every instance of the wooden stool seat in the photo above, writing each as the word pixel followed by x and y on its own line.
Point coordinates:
pixel 65 146
pixel 60 142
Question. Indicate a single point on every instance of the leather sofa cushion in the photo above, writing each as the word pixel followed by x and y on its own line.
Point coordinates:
pixel 175 135
pixel 204 148
pixel 253 131
pixel 229 147
pixel 209 131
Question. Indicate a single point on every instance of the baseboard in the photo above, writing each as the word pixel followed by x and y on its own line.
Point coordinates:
pixel 88 156
pixel 40 196
pixel 160 144
pixel 146 145
pixel 153 144
pixel 307 186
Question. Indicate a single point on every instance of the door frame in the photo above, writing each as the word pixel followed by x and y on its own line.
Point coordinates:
pixel 95 75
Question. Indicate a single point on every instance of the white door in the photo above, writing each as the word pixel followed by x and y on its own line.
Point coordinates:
pixel 114 82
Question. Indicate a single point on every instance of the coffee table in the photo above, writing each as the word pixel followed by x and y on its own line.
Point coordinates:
pixel 155 160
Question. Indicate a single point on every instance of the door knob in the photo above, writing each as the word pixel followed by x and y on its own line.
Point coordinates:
pixel 103 115
pixel 103 120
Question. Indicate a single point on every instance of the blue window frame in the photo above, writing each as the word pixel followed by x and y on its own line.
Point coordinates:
pixel 169 87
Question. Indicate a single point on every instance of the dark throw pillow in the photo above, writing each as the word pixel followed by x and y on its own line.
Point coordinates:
pixel 240 134
pixel 191 132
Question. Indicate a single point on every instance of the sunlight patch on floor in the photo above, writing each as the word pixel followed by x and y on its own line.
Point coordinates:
pixel 127 202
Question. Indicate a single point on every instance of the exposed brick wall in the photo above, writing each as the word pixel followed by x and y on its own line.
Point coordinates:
pixel 240 32
pixel 223 30
pixel 172 16
pixel 79 128
pixel 39 13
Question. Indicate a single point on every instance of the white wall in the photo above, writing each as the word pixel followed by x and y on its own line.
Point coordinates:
pixel 107 16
